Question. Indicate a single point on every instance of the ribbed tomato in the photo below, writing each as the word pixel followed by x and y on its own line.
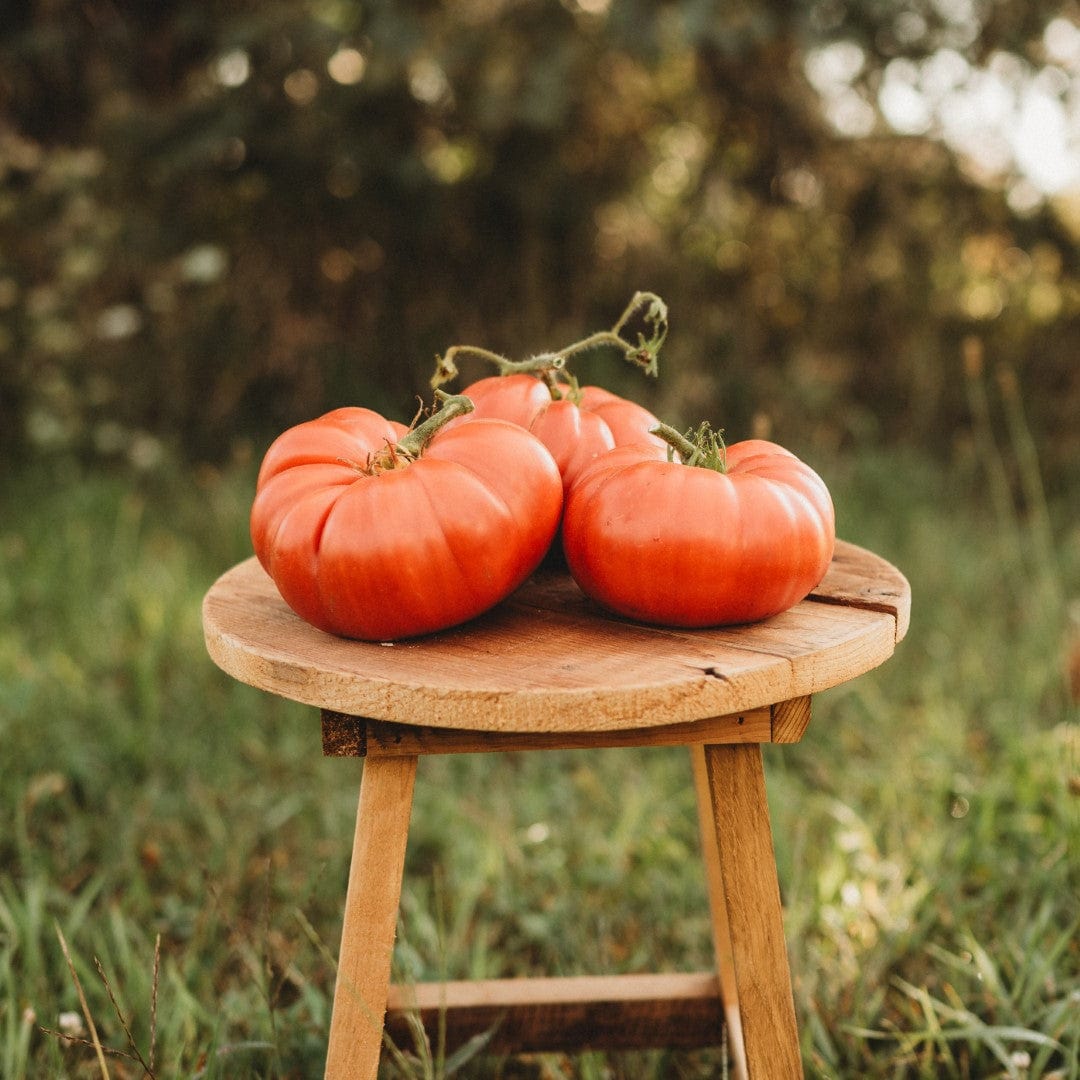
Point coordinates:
pixel 374 532
pixel 575 423
pixel 576 429
pixel 723 536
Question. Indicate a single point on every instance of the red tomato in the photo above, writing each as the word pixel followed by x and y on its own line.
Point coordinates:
pixel 576 424
pixel 629 422
pixel 575 431
pixel 371 533
pixel 688 545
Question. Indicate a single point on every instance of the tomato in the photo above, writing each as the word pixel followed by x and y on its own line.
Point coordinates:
pixel 627 421
pixel 576 424
pixel 723 537
pixel 516 398
pixel 374 532
pixel 576 429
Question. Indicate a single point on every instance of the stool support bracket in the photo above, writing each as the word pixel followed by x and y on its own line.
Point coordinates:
pixel 585 1012
pixel 355 736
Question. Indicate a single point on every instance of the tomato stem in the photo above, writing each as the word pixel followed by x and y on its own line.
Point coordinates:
pixel 446 368
pixel 703 448
pixel 643 353
pixel 451 406
pixel 646 352
pixel 411 445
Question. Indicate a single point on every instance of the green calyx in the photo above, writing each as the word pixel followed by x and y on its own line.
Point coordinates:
pixel 644 352
pixel 703 448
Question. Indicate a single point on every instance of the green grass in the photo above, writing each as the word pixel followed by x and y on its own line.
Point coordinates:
pixel 184 831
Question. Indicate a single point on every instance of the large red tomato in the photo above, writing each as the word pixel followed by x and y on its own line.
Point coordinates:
pixel 576 428
pixel 576 424
pixel 717 538
pixel 374 532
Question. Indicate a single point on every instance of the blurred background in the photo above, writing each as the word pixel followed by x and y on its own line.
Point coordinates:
pixel 219 219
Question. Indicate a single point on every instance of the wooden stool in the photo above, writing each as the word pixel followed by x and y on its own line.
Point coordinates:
pixel 548 670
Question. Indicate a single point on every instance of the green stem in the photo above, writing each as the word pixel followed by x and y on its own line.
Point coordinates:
pixel 536 365
pixel 647 353
pixel 703 449
pixel 411 445
pixel 644 353
pixel 446 368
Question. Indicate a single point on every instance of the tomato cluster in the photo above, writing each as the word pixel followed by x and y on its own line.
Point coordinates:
pixel 375 531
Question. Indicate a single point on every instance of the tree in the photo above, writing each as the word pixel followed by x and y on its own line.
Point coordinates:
pixel 219 219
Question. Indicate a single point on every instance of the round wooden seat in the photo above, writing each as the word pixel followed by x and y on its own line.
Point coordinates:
pixel 549 660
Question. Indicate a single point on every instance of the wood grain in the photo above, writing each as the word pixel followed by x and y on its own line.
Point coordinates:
pixel 548 659
pixel 603 1012
pixel 848 584
pixel 721 929
pixel 370 922
pixel 353 736
pixel 790 719
pixel 770 1037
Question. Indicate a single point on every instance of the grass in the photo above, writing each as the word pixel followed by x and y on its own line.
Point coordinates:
pixel 183 836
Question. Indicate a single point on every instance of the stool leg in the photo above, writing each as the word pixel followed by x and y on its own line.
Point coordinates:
pixel 743 834
pixel 725 959
pixel 371 910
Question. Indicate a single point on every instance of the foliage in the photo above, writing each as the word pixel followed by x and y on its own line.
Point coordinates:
pixel 220 219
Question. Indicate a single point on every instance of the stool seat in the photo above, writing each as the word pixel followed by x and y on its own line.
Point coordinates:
pixel 549 669
pixel 549 660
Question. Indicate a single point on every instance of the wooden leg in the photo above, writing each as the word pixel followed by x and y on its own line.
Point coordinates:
pixel 736 785
pixel 371 910
pixel 725 959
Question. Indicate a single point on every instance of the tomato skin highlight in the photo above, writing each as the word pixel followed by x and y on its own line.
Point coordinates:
pixel 407 550
pixel 678 545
